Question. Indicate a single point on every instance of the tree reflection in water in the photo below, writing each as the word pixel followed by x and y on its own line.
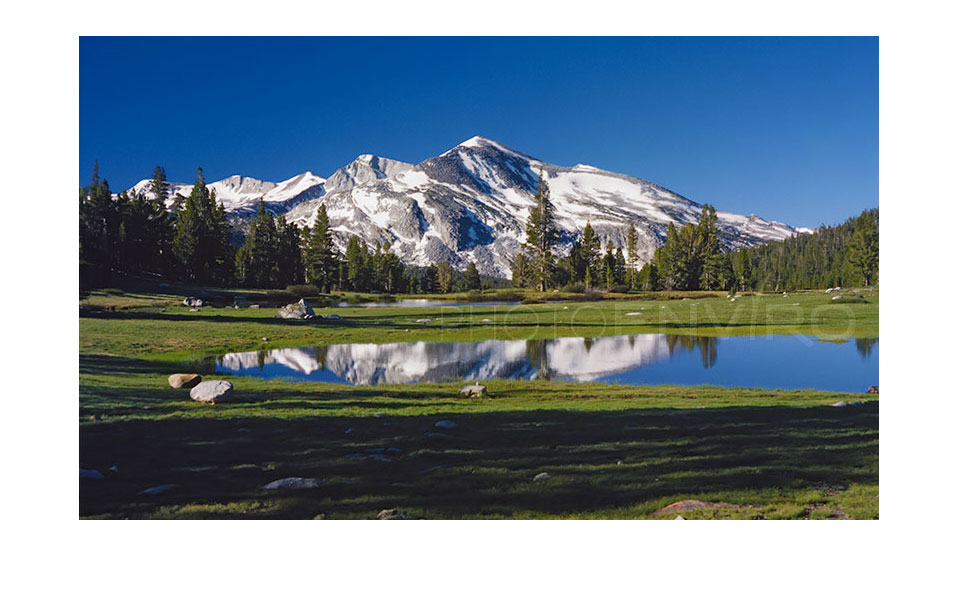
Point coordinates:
pixel 865 346
pixel 707 345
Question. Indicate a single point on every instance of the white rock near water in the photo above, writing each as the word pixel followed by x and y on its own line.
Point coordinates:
pixel 211 392
pixel 296 311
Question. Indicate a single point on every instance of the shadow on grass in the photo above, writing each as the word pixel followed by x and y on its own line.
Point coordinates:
pixel 597 460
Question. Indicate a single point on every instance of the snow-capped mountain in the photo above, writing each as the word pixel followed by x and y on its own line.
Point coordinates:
pixel 241 194
pixel 471 204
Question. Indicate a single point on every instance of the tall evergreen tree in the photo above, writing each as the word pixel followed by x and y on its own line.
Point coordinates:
pixel 202 243
pixel 471 277
pixel 863 249
pixel 590 254
pixel 632 254
pixel 444 276
pixel 356 254
pixel 541 235
pixel 321 255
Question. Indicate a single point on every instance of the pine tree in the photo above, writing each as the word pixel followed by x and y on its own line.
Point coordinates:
pixel 863 249
pixel 356 254
pixel 541 235
pixel 631 245
pixel 159 187
pixel 472 279
pixel 257 262
pixel 620 268
pixel 429 282
pixel 320 256
pixel 202 242
pixel 589 253
pixel 444 276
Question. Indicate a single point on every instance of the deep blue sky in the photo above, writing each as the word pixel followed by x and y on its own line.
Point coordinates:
pixel 786 128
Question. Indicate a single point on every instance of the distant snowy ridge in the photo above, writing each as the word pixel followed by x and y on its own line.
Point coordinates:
pixel 470 204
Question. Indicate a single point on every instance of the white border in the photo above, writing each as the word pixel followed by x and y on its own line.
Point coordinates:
pixel 917 157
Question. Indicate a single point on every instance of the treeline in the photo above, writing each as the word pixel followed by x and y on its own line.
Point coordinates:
pixel 134 233
pixel 693 258
pixel 843 255
pixel 838 256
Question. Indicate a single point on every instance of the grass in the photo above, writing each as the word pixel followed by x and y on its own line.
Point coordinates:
pixel 172 331
pixel 611 451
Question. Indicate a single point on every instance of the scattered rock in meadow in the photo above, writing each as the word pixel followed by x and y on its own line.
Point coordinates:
pixel 634 313
pixel 296 311
pixel 294 483
pixel 836 297
pixel 254 306
pixel 473 390
pixel 157 490
pixel 872 389
pixel 184 380
pixel 423 320
pixel 679 517
pixel 194 309
pixel 265 339
pixel 320 516
pixel 212 392
pixel 90 474
pixel 447 424
pixel 390 514
pixel 332 316
pixel 839 404
pixel 194 302
pixel 542 476
pixel 686 505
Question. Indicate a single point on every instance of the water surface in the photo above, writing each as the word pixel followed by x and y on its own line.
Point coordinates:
pixel 786 362
pixel 424 303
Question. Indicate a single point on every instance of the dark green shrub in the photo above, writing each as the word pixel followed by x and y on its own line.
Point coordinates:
pixel 303 291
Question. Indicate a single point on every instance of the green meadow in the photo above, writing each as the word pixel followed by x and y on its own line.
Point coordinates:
pixel 608 451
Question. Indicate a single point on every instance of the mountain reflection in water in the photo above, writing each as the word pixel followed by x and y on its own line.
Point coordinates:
pixel 767 361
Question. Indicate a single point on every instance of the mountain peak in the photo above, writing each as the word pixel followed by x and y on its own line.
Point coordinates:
pixel 478 142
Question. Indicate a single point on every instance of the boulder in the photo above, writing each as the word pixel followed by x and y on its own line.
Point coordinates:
pixel 473 391
pixel 193 302
pixel 391 514
pixel 211 392
pixel 836 297
pixel 254 306
pixel 447 424
pixel 872 389
pixel 184 380
pixel 296 311
pixel 332 316
pixel 542 477
pixel 294 483
pixel 839 404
